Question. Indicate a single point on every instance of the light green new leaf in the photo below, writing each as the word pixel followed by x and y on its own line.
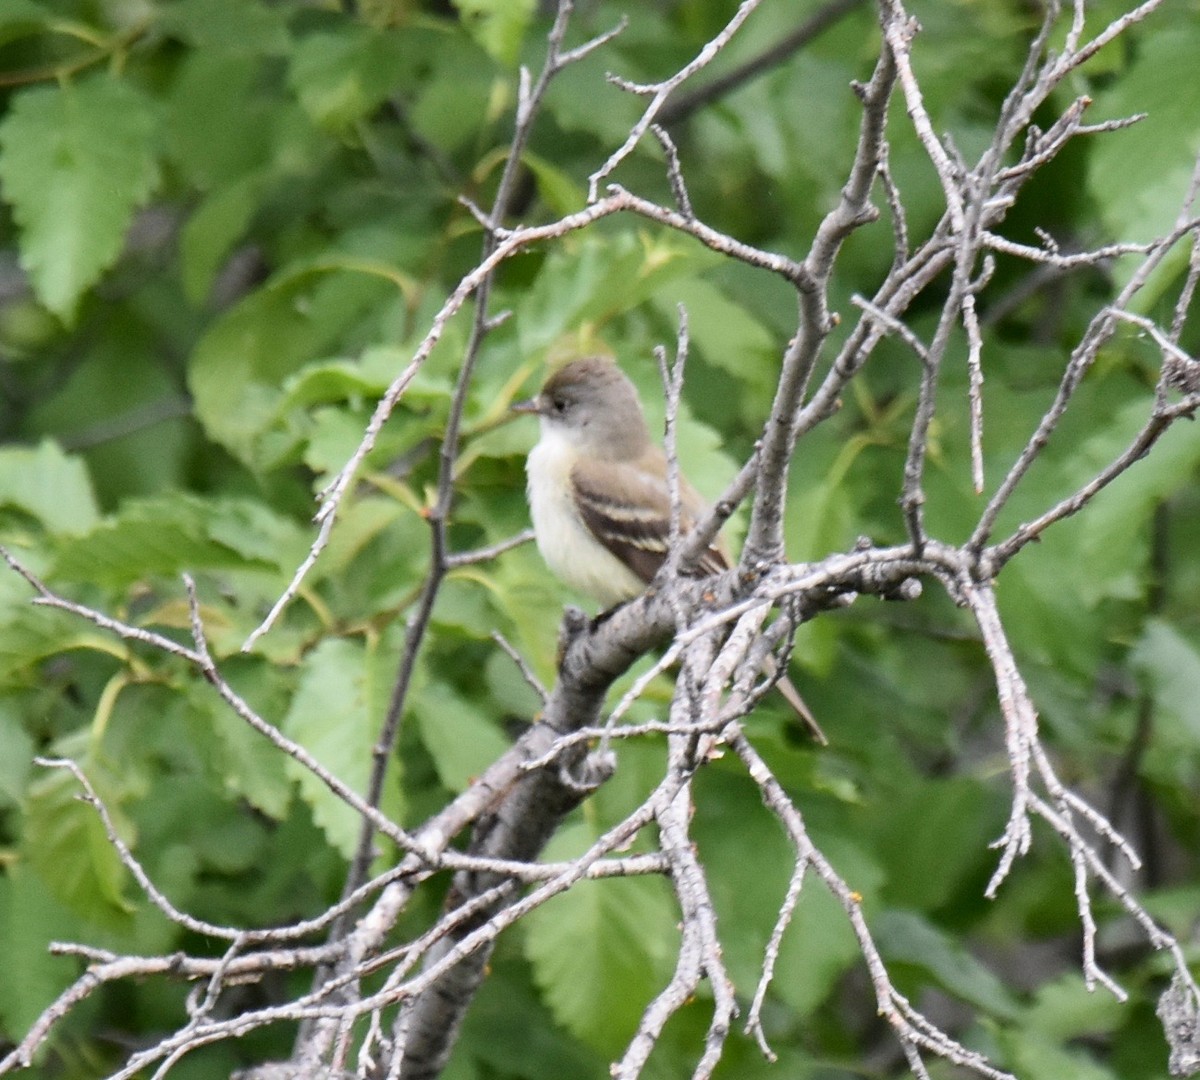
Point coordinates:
pixel 75 162
pixel 335 715
pixel 49 485
pixel 601 951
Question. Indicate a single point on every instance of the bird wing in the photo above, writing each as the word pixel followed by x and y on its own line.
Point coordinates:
pixel 636 527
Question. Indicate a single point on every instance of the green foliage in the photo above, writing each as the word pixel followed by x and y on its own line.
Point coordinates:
pixel 75 162
pixel 601 953
pixel 237 219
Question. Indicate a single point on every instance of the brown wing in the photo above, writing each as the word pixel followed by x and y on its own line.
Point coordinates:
pixel 636 526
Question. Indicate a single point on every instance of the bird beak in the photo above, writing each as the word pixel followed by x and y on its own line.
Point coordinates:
pixel 533 405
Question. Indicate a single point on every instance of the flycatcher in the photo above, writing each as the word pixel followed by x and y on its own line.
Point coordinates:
pixel 599 495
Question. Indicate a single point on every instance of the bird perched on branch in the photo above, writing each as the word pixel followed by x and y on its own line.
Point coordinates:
pixel 600 497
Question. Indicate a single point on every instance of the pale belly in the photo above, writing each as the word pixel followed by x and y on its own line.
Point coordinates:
pixel 566 544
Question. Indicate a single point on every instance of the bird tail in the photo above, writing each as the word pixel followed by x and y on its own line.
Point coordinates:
pixel 792 696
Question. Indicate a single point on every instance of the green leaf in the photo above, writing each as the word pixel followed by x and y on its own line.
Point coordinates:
pixel 1171 663
pixel 555 186
pixel 238 26
pixel 16 753
pixel 20 18
pixel 1139 176
pixel 904 937
pixel 239 759
pixel 1067 1009
pixel 29 635
pixel 65 842
pixel 601 951
pixel 30 918
pixel 1034 1056
pixel 336 714
pixel 75 162
pixel 926 866
pixel 1111 528
pixel 212 230
pixel 725 333
pixel 220 124
pixel 600 277
pixel 177 532
pixel 460 740
pixel 498 25
pixel 239 367
pixel 819 945
pixel 47 484
pixel 341 77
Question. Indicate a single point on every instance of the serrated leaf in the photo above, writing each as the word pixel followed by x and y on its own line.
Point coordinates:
pixel 47 484
pixel 75 162
pixel 601 951
pixel 174 533
pixel 335 714
pixel 239 758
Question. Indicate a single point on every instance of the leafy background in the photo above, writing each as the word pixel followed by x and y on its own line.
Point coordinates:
pixel 226 223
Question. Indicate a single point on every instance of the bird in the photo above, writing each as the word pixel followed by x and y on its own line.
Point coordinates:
pixel 600 497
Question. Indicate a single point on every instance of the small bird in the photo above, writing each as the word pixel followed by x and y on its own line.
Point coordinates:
pixel 599 494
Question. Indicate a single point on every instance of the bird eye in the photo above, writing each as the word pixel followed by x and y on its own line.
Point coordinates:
pixel 559 405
